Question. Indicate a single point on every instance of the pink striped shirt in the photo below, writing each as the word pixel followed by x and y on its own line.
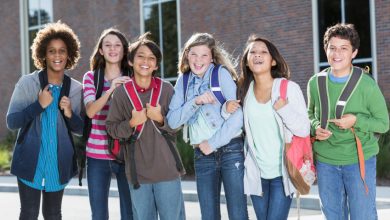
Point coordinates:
pixel 97 141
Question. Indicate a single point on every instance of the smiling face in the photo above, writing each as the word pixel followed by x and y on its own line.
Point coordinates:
pixel 259 59
pixel 112 49
pixel 199 59
pixel 145 62
pixel 340 54
pixel 56 56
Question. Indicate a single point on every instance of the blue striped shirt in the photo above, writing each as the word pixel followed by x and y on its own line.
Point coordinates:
pixel 46 173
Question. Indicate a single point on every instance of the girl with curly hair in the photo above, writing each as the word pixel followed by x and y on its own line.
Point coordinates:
pixel 43 159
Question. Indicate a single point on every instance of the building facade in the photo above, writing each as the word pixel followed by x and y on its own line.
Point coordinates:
pixel 295 26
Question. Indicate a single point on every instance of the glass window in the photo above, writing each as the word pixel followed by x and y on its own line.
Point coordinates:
pixel 331 12
pixel 160 18
pixel 40 12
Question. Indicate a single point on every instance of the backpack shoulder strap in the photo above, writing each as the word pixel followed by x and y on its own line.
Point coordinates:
pixel 42 75
pixel 98 81
pixel 349 88
pixel 214 84
pixel 322 86
pixel 186 76
pixel 156 92
pixel 283 89
pixel 136 101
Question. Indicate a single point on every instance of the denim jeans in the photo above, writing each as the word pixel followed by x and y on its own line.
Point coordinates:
pixel 342 191
pixel 274 204
pixel 30 201
pixel 163 200
pixel 99 174
pixel 226 166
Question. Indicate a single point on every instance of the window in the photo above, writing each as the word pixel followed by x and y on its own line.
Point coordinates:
pixel 40 12
pixel 330 12
pixel 160 17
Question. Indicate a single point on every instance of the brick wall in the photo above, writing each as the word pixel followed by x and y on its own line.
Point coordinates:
pixel 9 57
pixel 382 8
pixel 89 18
pixel 288 24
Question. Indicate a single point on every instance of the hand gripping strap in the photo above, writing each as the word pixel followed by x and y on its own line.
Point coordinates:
pixel 136 101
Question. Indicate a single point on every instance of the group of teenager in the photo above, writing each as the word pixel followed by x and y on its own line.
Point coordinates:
pixel 237 124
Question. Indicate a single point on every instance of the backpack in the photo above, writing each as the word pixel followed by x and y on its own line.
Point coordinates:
pixel 214 84
pixel 299 156
pixel 349 88
pixel 65 89
pixel 116 146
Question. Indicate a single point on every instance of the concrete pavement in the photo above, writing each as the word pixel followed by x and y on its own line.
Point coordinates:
pixel 76 205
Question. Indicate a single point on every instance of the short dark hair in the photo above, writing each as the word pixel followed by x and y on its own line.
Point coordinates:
pixel 53 31
pixel 145 39
pixel 343 31
pixel 97 60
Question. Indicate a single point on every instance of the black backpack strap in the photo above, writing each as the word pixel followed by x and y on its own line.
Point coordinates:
pixel 322 86
pixel 169 139
pixel 65 90
pixel 98 81
pixel 348 90
pixel 133 169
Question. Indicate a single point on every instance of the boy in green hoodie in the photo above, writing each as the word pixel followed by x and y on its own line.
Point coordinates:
pixel 346 187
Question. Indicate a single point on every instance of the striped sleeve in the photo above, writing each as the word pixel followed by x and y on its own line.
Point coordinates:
pixel 89 90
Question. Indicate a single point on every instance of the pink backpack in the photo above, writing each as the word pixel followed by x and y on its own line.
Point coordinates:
pixel 299 156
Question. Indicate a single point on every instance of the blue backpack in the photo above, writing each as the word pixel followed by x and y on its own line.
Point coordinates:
pixel 214 84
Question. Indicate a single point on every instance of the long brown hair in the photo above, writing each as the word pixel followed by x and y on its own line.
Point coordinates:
pixel 280 70
pixel 219 55
pixel 97 60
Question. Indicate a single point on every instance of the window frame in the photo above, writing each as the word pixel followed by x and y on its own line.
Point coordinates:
pixel 24 33
pixel 317 38
pixel 142 27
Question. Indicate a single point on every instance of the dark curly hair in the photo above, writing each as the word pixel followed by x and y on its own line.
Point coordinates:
pixel 145 40
pixel 97 60
pixel 54 31
pixel 343 31
pixel 280 70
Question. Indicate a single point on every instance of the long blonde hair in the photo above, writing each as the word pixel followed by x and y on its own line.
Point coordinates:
pixel 219 55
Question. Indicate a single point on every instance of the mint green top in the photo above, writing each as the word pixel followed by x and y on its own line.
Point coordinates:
pixel 200 130
pixel 266 137
pixel 366 103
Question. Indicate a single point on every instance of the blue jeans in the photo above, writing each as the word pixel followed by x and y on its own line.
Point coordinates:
pixel 162 199
pixel 99 174
pixel 342 191
pixel 30 201
pixel 274 204
pixel 225 165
